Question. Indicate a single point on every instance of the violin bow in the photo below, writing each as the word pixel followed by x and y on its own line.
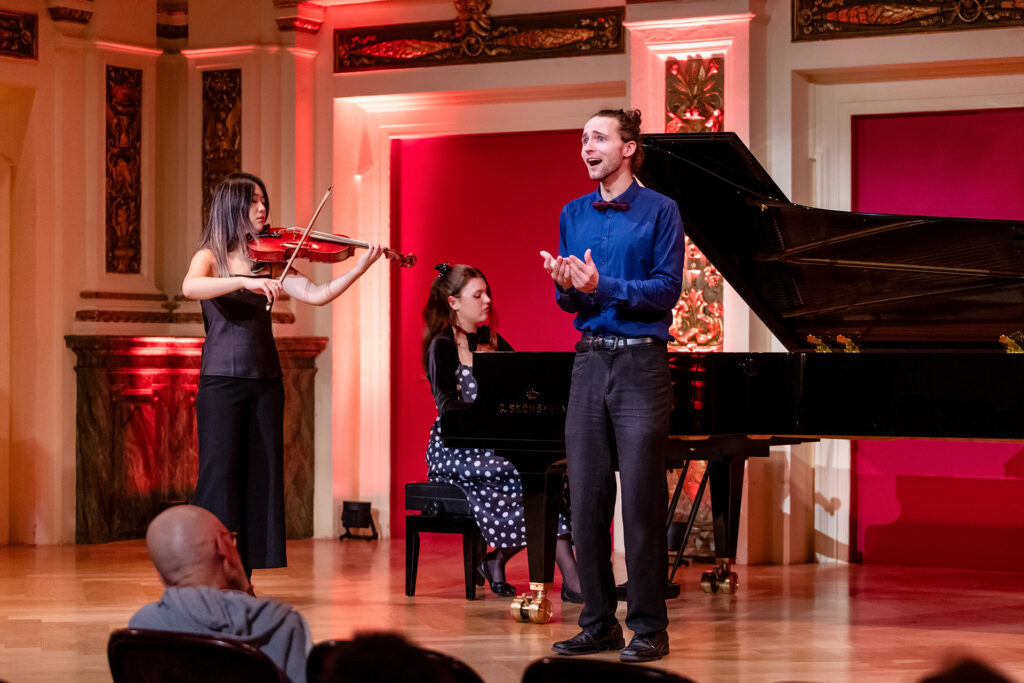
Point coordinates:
pixel 305 236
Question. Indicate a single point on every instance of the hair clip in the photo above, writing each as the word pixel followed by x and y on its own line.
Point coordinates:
pixel 442 268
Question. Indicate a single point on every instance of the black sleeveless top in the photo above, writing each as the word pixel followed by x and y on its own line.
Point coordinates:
pixel 239 337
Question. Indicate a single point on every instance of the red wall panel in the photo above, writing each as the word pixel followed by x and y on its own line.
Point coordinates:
pixel 933 503
pixel 491 201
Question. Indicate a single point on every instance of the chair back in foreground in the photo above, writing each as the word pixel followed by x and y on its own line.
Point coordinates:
pixel 149 656
pixel 583 670
pixel 383 658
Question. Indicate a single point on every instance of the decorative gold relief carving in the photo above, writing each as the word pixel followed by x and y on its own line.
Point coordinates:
pixel 222 129
pixel 299 16
pixel 70 15
pixel 697 319
pixel 19 34
pixel 124 170
pixel 477 37
pixel 849 345
pixel 819 344
pixel 820 19
pixel 301 24
pixel 1010 344
pixel 695 94
pixel 695 103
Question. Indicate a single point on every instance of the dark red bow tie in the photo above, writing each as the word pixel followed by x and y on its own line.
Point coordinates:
pixel 601 206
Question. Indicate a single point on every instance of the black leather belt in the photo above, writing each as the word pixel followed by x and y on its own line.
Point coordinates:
pixel 589 343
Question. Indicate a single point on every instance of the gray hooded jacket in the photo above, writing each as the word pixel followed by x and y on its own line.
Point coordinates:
pixel 273 627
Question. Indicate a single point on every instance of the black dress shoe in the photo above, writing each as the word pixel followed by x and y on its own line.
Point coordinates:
pixel 569 595
pixel 646 647
pixel 505 590
pixel 604 635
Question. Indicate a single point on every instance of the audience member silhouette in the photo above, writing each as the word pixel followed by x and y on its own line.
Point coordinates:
pixel 208 592
pixel 385 658
pixel 966 670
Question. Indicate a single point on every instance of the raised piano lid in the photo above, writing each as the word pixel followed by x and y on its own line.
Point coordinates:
pixel 889 282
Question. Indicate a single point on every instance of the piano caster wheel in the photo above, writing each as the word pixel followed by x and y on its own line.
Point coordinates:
pixel 540 611
pixel 532 606
pixel 721 577
pixel 516 607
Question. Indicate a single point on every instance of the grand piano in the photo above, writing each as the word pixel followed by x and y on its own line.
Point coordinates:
pixel 895 326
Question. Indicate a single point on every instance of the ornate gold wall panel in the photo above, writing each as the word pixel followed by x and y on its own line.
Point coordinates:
pixel 69 15
pixel 698 317
pixel 222 129
pixel 695 94
pixel 124 170
pixel 695 103
pixel 477 37
pixel 820 19
pixel 19 34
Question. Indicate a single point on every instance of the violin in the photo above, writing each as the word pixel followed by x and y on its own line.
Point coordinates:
pixel 292 243
pixel 279 245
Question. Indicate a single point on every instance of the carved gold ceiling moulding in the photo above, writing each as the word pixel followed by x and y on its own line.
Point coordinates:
pixel 476 37
pixel 172 19
pixel 820 19
pixel 298 16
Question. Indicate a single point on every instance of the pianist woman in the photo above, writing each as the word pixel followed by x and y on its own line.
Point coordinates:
pixel 458 306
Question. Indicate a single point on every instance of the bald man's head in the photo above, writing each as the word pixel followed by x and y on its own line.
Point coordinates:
pixel 190 547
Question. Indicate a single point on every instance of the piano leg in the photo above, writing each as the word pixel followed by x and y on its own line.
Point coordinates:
pixel 542 493
pixel 726 495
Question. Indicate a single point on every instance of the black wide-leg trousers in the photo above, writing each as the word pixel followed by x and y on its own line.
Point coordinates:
pixel 618 416
pixel 241 463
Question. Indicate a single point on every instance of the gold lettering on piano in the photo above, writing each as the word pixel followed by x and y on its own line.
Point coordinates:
pixel 532 409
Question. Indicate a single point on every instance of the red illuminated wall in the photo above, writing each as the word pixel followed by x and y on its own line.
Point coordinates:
pixel 935 503
pixel 491 201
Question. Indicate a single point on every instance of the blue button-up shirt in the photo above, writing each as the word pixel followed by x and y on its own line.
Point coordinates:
pixel 639 255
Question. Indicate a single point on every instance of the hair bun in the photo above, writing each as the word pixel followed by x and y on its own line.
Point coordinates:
pixel 442 268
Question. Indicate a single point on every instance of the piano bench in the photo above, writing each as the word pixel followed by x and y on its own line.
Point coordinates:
pixel 443 509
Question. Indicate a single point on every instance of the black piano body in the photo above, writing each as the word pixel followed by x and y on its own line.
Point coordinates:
pixel 520 413
pixel 925 301
pixel 892 323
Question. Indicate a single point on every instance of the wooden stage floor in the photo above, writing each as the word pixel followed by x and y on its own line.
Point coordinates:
pixel 802 623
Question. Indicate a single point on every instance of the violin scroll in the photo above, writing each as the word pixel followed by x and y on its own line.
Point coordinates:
pixel 404 260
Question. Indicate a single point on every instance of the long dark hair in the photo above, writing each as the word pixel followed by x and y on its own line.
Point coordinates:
pixel 437 314
pixel 229 225
pixel 629 129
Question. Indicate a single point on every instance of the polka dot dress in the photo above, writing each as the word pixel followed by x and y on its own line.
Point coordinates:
pixel 491 483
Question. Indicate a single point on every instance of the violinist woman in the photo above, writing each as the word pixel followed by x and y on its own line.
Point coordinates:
pixel 240 401
pixel 458 306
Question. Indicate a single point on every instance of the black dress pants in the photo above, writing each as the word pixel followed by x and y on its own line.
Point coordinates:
pixel 241 463
pixel 618 415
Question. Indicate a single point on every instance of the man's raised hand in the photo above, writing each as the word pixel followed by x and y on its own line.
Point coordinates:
pixel 583 274
pixel 558 269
